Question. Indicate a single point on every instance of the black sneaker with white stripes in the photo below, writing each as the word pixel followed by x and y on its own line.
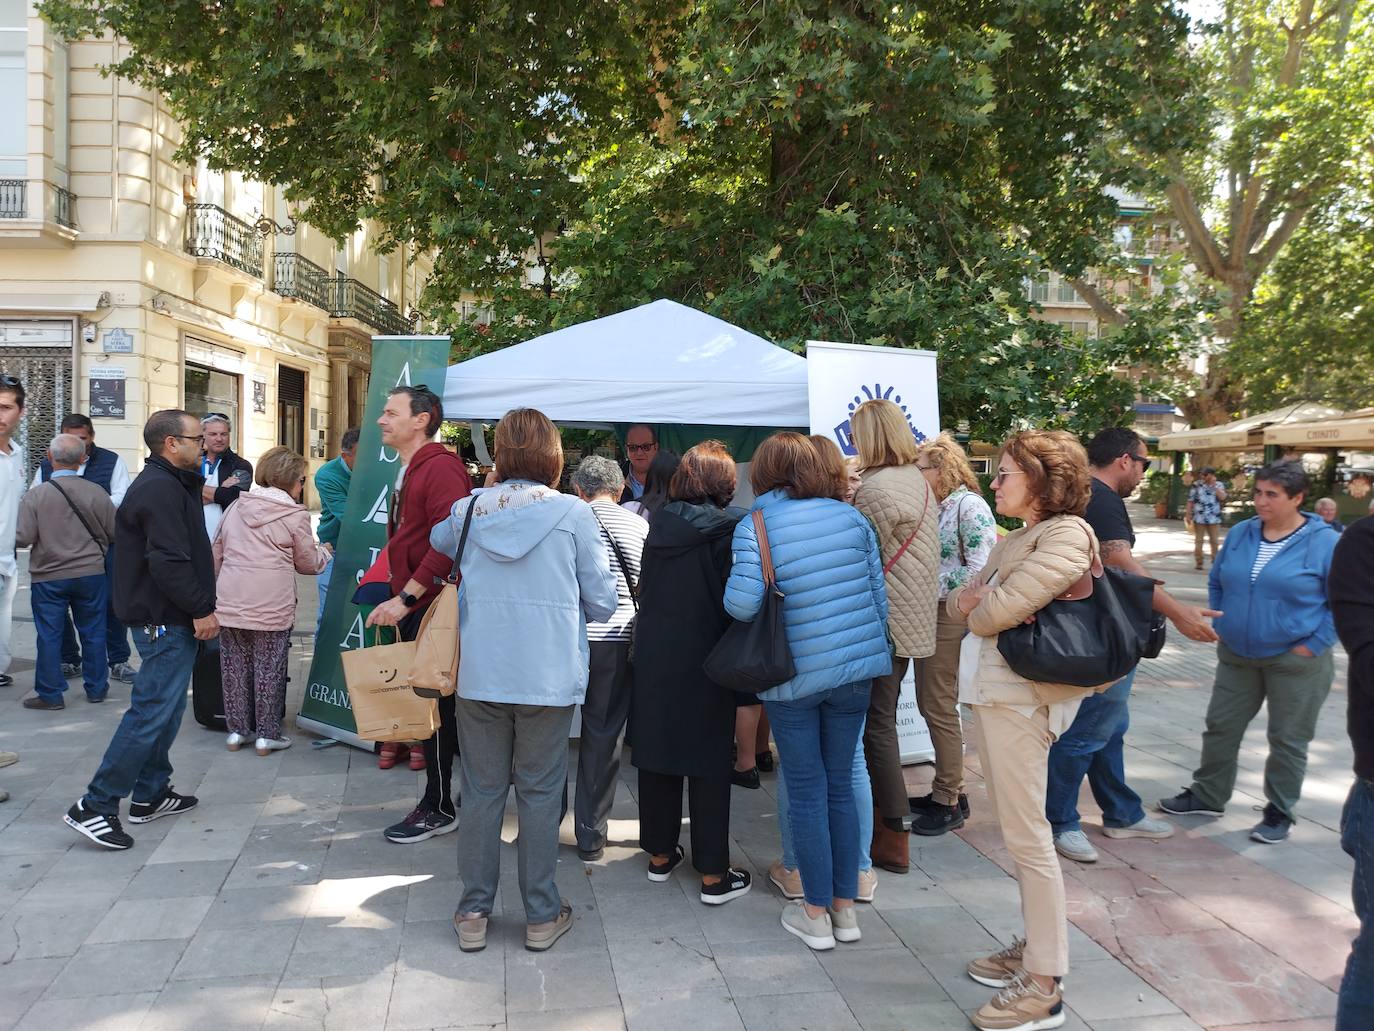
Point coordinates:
pixel 168 805
pixel 105 831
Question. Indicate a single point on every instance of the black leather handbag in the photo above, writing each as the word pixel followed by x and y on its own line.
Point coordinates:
pixel 1092 635
pixel 754 656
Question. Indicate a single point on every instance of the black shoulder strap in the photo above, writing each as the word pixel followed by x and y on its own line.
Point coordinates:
pixel 462 539
pixel 620 557
pixel 72 505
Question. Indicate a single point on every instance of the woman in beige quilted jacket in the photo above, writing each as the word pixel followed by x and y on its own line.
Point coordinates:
pixel 905 512
pixel 1042 478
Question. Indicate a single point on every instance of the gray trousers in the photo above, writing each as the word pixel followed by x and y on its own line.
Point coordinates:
pixel 500 744
pixel 603 733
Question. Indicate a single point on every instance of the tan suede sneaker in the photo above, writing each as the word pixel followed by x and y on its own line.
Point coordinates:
pixel 997 970
pixel 786 881
pixel 868 886
pixel 1021 1006
pixel 472 931
pixel 540 937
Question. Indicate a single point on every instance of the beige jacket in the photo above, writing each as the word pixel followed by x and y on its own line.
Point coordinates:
pixel 1033 566
pixel 899 504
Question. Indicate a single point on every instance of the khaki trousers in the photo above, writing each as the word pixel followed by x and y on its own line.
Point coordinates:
pixel 881 749
pixel 1209 531
pixel 1014 751
pixel 937 696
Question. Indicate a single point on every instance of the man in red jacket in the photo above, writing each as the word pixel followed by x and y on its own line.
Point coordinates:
pixel 430 480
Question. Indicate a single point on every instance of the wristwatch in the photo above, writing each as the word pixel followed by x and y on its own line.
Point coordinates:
pixel 408 600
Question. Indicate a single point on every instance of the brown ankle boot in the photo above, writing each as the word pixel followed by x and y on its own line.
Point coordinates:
pixel 891 850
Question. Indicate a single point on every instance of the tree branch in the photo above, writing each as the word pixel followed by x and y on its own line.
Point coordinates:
pixel 1292 218
pixel 1201 244
pixel 1103 308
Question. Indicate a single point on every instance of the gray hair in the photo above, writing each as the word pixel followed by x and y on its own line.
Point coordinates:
pixel 1325 503
pixel 596 476
pixel 66 449
pixel 1287 474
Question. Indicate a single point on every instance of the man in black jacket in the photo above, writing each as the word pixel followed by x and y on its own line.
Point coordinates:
pixel 226 474
pixel 164 587
pixel 1350 590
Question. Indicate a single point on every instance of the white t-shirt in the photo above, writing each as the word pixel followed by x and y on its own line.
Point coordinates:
pixel 11 490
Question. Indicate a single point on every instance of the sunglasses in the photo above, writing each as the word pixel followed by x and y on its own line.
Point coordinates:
pixel 1139 458
pixel 10 381
pixel 215 417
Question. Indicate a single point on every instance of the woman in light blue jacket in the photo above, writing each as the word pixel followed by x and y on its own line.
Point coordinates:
pixel 534 572
pixel 825 555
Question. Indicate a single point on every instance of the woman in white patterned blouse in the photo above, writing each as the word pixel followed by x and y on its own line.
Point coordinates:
pixel 967 534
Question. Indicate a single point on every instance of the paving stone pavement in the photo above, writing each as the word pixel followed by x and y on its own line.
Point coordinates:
pixel 277 904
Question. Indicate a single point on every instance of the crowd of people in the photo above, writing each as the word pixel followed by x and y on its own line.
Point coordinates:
pixel 613 597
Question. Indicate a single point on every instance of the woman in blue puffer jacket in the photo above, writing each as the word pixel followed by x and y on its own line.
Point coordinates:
pixel 825 555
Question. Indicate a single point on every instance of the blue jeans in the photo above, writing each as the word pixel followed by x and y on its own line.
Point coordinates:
pixel 116 633
pixel 136 763
pixel 86 596
pixel 322 585
pixel 1355 1009
pixel 817 737
pixel 1094 746
pixel 863 802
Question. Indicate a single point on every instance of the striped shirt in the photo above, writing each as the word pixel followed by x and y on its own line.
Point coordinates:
pixel 1267 550
pixel 629 531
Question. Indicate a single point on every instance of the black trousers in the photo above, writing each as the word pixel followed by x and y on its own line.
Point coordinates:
pixel 604 713
pixel 441 747
pixel 708 805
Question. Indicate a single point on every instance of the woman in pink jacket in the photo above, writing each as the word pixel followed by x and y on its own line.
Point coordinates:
pixel 263 542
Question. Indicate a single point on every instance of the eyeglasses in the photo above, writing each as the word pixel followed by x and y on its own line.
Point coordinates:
pixel 182 436
pixel 302 481
pixel 639 448
pixel 1002 474
pixel 10 381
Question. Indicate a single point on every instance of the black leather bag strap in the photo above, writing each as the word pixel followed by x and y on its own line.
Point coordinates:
pixel 72 505
pixel 620 557
pixel 462 541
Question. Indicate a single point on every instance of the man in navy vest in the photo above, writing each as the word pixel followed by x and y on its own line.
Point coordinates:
pixel 108 472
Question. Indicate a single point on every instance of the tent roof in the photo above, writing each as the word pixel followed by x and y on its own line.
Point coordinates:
pixel 662 362
pixel 1346 430
pixel 1246 434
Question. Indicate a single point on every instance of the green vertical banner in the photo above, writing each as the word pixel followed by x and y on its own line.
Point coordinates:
pixel 396 362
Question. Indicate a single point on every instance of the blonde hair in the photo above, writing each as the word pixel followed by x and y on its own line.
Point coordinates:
pixel 280 467
pixel 946 456
pixel 882 435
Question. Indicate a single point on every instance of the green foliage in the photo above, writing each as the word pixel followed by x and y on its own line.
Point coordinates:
pixel 1155 489
pixel 854 171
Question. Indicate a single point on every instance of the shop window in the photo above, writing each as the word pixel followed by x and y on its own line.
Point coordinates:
pixel 210 390
pixel 291 408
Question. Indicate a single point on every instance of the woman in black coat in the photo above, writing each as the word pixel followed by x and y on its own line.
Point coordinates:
pixel 681 723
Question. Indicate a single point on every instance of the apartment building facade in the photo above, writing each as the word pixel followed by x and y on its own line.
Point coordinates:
pixel 130 282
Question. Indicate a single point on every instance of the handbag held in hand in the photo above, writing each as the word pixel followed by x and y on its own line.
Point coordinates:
pixel 1090 636
pixel 434 670
pixel 384 706
pixel 754 656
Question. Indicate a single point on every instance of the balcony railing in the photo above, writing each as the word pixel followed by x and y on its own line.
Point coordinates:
pixel 294 276
pixel 12 195
pixel 211 232
pixel 65 213
pixel 352 300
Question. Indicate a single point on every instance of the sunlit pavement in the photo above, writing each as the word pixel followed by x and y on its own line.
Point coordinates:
pixel 277 903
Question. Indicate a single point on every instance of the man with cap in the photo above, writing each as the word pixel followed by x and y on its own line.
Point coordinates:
pixel 1205 499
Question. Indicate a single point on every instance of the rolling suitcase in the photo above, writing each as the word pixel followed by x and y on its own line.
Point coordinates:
pixel 207 690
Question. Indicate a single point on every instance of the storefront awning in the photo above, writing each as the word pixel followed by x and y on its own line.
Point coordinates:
pixel 1345 430
pixel 51 304
pixel 1248 434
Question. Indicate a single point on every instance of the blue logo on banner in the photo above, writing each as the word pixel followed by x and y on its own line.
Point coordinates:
pixel 842 434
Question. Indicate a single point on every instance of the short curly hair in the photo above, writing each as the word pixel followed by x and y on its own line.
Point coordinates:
pixel 947 458
pixel 1056 468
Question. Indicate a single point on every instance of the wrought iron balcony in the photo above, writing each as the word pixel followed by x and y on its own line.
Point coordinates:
pixel 12 197
pixel 211 232
pixel 65 213
pixel 353 300
pixel 294 276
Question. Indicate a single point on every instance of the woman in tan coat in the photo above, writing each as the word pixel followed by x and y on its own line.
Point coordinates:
pixel 1042 478
pixel 905 512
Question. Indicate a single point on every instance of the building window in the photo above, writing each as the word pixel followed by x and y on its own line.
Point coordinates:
pixel 291 408
pixel 14 115
pixel 1038 289
pixel 210 390
pixel 1064 292
pixel 61 119
pixel 1083 329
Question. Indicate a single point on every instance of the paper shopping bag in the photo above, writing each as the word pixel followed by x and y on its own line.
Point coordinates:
pixel 384 706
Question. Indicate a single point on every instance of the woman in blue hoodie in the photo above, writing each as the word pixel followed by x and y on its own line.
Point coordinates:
pixel 825 555
pixel 1276 637
pixel 534 573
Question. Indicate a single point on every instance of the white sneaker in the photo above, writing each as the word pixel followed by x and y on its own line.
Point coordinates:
pixel 1142 828
pixel 236 741
pixel 845 924
pixel 267 745
pixel 1076 846
pixel 815 932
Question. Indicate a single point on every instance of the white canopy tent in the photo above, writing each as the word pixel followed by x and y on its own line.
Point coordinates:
pixel 662 362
